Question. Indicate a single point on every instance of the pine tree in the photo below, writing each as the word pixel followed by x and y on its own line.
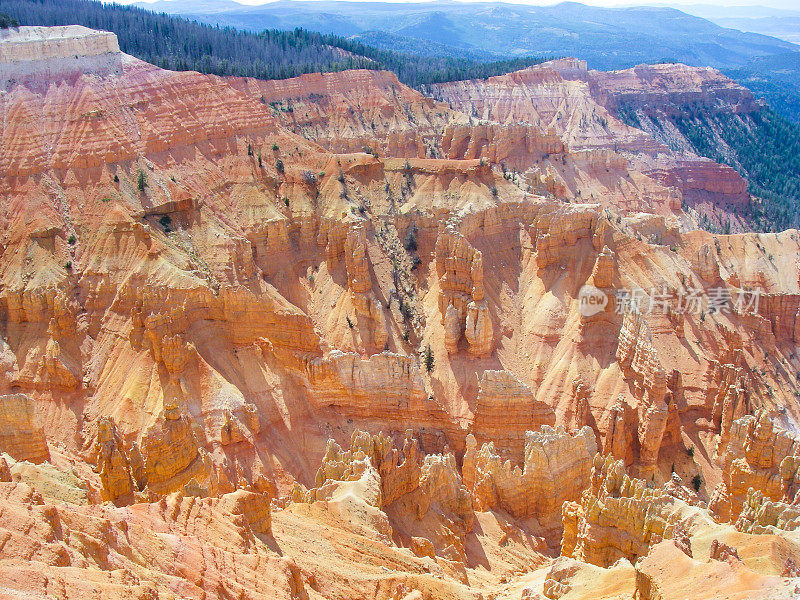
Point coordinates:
pixel 427 358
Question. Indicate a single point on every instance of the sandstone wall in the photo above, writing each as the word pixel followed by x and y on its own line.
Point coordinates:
pixel 30 52
pixel 620 517
pixel 505 410
pixel 762 456
pixel 556 469
pixel 20 435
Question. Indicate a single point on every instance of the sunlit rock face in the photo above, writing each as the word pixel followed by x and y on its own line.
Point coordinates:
pixel 36 54
pixel 344 355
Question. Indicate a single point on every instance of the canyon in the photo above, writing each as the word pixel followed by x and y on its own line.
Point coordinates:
pixel 323 337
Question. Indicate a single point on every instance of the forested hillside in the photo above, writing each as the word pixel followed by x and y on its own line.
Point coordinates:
pixel 762 146
pixel 775 78
pixel 607 38
pixel 178 44
pixel 765 149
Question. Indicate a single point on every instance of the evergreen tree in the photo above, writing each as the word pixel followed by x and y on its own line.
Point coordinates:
pixel 175 43
pixel 427 358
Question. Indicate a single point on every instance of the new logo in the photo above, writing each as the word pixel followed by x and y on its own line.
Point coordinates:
pixel 591 300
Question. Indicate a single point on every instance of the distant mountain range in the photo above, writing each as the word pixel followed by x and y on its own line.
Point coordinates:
pixel 776 22
pixel 176 43
pixel 608 38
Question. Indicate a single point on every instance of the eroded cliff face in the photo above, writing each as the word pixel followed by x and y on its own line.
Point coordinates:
pixel 230 337
pixel 600 158
pixel 47 54
pixel 358 111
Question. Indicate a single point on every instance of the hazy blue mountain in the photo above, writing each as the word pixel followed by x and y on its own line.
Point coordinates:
pixel 606 37
pixel 174 42
pixel 775 78
pixel 714 11
pixel 411 45
pixel 775 22
pixel 786 28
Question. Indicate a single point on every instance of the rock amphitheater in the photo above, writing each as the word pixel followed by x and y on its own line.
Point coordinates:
pixel 322 338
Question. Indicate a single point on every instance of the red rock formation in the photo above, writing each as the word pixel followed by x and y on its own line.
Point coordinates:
pixel 761 515
pixel 721 551
pixel 555 469
pixel 113 464
pixel 580 113
pixel 761 456
pixel 170 453
pixel 639 360
pixel 461 299
pixel 197 293
pixel 20 436
pixel 620 517
pixel 357 111
pixel 619 432
pixel 662 87
pixel 505 410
